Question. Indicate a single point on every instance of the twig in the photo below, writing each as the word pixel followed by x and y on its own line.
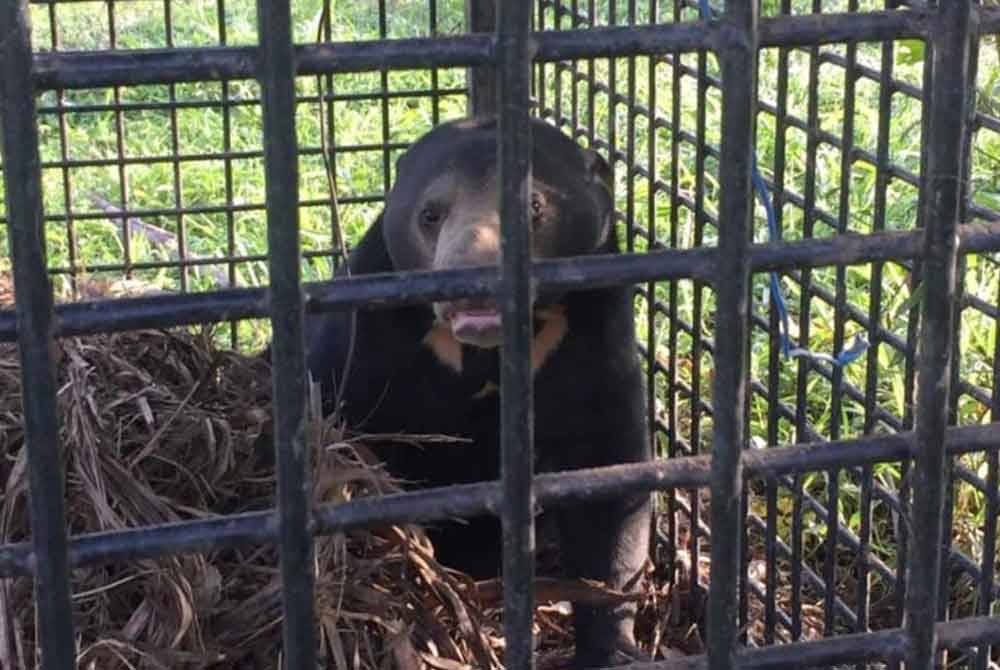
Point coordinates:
pixel 159 237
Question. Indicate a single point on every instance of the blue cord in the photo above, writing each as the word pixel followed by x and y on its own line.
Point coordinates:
pixel 860 344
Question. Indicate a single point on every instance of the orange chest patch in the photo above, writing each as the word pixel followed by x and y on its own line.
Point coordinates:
pixel 555 325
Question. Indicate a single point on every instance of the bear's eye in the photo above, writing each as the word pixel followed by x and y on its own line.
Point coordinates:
pixel 536 208
pixel 430 216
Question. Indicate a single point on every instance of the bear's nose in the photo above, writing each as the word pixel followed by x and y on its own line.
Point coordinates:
pixel 486 244
pixel 468 246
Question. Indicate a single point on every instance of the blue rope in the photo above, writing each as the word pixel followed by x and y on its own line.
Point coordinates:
pixel 860 344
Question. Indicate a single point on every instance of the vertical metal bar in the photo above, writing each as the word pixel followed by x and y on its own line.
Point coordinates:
pixel 557 68
pixel 33 291
pixel 949 89
pixel 882 177
pixel 985 605
pixel 574 101
pixel 697 307
pixel 432 25
pixel 944 596
pixel 481 17
pixel 737 53
pixel 630 92
pixel 123 190
pixel 227 147
pixel 805 304
pixel 613 103
pixel 541 89
pixel 651 242
pixel 912 333
pixel 673 292
pixel 514 56
pixel 326 94
pixel 281 172
pixel 67 175
pixel 774 348
pixel 591 82
pixel 840 298
pixel 383 33
pixel 168 28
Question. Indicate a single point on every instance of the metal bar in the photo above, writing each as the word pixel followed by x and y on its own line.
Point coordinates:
pixel 155 105
pixel 700 219
pixel 159 66
pixel 874 318
pixel 33 304
pixel 119 159
pixel 432 20
pixel 481 17
pixel 72 247
pixel 179 221
pixel 736 48
pixel 885 645
pixel 840 299
pixel 227 168
pixel 947 119
pixel 378 291
pixel 805 321
pixel 285 306
pixel 673 289
pixel 774 349
pixel 987 594
pixel 485 497
pixel 514 142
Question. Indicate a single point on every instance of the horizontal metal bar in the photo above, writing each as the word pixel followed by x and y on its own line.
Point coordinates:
pixel 388 290
pixel 213 156
pixel 81 69
pixel 151 212
pixel 64 106
pixel 473 499
pixel 93 69
pixel 884 645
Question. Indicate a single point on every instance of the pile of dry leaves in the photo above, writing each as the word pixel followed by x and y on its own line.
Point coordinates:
pixel 164 426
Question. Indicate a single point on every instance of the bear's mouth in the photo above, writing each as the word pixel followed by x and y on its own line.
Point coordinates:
pixel 479 324
pixel 476 325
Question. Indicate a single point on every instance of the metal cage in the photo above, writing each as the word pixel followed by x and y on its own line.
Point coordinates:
pixel 526 57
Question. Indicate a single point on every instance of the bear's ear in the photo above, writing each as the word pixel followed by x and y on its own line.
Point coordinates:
pixel 598 169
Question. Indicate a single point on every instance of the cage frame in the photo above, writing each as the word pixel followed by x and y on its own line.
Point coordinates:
pixel 735 37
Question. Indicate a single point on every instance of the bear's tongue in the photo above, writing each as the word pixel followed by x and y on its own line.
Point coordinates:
pixel 480 327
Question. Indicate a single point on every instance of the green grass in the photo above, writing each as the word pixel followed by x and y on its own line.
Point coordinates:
pixel 200 182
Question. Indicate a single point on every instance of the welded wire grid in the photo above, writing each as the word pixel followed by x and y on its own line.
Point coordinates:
pixel 190 218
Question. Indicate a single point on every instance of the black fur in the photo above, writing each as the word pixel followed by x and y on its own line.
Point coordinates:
pixel 590 405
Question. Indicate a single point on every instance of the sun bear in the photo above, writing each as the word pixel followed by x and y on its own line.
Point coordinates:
pixel 434 369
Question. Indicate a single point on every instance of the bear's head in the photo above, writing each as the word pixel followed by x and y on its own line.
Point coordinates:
pixel 443 210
